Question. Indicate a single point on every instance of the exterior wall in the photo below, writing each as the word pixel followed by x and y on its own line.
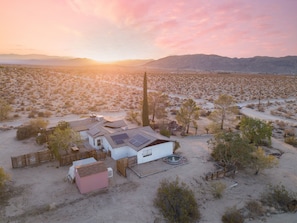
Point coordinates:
pixel 157 152
pixel 93 142
pixel 84 135
pixel 92 182
pixel 106 145
pixel 122 152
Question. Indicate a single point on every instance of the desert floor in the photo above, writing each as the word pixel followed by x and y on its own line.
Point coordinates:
pixel 41 194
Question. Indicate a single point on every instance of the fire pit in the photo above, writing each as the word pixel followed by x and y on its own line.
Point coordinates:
pixel 173 159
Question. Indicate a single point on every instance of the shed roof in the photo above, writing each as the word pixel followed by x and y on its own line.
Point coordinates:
pixel 91 168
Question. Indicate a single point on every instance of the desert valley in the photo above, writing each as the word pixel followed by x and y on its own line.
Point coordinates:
pixel 43 194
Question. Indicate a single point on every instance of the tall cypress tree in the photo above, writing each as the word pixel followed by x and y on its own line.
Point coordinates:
pixel 145 110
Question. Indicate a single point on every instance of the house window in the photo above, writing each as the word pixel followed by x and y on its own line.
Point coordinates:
pixel 147 152
pixel 98 142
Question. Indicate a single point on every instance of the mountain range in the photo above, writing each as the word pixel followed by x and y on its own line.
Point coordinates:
pixel 38 59
pixel 214 63
pixel 194 62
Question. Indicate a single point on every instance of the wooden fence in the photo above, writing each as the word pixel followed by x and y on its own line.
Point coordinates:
pixel 32 159
pixel 223 172
pixel 132 161
pixel 37 158
pixel 123 164
pixel 66 160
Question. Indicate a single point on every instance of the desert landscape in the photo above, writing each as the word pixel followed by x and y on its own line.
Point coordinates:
pixel 42 193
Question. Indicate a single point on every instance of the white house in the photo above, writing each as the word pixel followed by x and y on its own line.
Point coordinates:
pixel 83 125
pixel 142 142
pixel 97 131
pixel 94 127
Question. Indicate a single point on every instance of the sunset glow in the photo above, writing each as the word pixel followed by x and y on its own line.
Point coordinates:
pixel 107 30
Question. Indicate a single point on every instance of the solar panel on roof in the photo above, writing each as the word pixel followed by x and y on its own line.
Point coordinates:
pixel 119 139
pixel 138 140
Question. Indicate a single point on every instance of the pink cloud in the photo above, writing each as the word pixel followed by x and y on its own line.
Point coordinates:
pixel 159 27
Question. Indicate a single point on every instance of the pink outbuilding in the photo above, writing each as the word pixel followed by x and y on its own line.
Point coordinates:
pixel 91 177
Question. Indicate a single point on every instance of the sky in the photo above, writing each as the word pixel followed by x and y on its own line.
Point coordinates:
pixel 110 30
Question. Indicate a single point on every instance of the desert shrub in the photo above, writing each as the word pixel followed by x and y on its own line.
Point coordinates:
pixel 281 124
pixel 278 197
pixel 231 149
pixel 291 140
pixel 31 114
pixel 217 189
pixel 62 125
pixel 176 146
pixel 255 208
pixel 232 215
pixel 204 113
pixel 261 109
pixel 214 128
pixel 272 112
pixel 40 114
pixel 252 106
pixel 42 136
pixel 256 131
pixel 134 117
pixel 31 129
pixel 165 132
pixel 176 202
pixel 5 109
pixel 16 115
pixel 3 177
pixel 47 114
pixel 262 161
pixel 25 132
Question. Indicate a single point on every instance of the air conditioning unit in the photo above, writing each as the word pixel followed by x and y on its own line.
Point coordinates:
pixel 99 118
pixel 110 172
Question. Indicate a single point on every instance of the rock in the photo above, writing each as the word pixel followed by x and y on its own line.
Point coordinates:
pixel 52 206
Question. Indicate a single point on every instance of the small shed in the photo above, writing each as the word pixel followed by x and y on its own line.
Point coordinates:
pixel 71 172
pixel 91 177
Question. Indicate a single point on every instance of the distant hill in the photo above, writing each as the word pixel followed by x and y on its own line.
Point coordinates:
pixel 36 59
pixel 214 63
pixel 132 62
pixel 196 62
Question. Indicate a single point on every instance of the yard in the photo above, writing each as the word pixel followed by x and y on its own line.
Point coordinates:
pixel 42 193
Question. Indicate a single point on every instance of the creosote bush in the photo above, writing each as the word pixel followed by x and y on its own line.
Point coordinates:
pixel 165 132
pixel 278 197
pixel 217 189
pixel 31 129
pixel 176 201
pixel 232 215
pixel 292 140
pixel 255 208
